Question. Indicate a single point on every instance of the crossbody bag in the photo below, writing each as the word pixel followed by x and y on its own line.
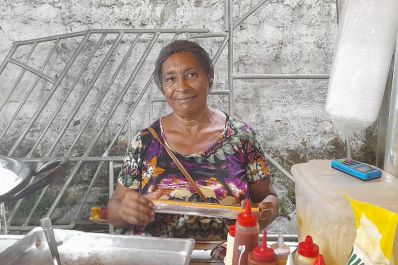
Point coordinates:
pixel 179 165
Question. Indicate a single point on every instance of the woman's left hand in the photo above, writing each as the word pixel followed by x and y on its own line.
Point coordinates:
pixel 264 212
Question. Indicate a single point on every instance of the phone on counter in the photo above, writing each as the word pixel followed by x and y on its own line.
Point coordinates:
pixel 356 169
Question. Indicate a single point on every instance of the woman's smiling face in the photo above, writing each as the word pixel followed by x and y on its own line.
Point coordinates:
pixel 185 84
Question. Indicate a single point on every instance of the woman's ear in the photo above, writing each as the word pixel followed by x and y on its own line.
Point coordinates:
pixel 210 82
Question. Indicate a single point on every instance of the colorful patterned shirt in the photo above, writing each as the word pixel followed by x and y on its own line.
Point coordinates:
pixel 223 172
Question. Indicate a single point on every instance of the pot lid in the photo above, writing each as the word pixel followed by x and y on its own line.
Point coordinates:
pixel 12 173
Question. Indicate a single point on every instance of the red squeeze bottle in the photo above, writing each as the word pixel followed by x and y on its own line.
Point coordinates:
pixel 262 255
pixel 319 260
pixel 246 235
pixel 307 252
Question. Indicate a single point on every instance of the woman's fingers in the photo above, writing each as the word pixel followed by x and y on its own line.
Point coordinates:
pixel 243 203
pixel 265 211
pixel 265 205
pixel 264 214
pixel 154 195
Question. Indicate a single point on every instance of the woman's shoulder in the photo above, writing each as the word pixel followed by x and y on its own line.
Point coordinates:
pixel 245 133
pixel 144 135
pixel 240 127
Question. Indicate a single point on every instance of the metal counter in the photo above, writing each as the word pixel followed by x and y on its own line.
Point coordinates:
pixel 82 248
pixel 200 254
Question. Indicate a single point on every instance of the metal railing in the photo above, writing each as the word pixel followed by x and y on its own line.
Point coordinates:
pixel 70 81
pixel 81 145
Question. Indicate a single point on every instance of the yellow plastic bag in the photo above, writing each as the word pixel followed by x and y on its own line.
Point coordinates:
pixel 374 240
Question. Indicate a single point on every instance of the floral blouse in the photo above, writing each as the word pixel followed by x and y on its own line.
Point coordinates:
pixel 223 173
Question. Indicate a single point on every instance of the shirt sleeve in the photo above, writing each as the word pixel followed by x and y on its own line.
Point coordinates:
pixel 256 163
pixel 130 175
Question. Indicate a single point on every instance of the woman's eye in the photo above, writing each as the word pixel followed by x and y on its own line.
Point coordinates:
pixel 191 74
pixel 169 80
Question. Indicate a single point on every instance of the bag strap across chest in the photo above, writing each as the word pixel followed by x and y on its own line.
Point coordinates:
pixel 179 165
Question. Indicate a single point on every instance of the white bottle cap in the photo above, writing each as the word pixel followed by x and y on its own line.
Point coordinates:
pixel 290 260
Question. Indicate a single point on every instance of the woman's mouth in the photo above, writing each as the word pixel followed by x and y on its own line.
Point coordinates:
pixel 180 99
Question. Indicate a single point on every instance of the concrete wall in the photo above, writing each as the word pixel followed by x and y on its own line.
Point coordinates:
pixel 291 36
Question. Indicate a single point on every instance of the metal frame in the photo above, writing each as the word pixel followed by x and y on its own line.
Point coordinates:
pixel 112 161
pixel 40 75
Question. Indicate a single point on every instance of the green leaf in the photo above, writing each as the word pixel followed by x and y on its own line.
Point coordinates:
pixel 220 154
pixel 210 159
pixel 199 159
pixel 229 149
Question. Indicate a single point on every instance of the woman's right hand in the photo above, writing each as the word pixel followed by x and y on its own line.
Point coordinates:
pixel 138 209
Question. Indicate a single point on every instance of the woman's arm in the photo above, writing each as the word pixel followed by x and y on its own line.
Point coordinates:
pixel 263 193
pixel 127 206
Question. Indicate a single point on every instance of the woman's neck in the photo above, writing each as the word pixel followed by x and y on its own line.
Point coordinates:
pixel 191 124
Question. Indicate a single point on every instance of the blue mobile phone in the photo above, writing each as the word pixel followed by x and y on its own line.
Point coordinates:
pixel 356 169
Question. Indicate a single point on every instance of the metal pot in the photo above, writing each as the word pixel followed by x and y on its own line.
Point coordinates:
pixel 18 180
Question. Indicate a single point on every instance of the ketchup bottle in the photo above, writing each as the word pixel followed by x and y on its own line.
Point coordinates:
pixel 262 255
pixel 307 252
pixel 319 260
pixel 246 235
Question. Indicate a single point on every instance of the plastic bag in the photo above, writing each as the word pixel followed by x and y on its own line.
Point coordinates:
pixel 374 240
pixel 363 52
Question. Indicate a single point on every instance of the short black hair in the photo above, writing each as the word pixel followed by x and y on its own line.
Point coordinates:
pixel 183 46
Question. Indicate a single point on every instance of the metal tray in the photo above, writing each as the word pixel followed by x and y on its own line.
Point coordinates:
pixel 82 248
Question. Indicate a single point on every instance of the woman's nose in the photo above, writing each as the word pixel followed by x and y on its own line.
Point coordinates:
pixel 182 84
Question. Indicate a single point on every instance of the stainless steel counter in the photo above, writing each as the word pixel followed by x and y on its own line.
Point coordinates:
pixel 200 254
pixel 198 257
pixel 76 247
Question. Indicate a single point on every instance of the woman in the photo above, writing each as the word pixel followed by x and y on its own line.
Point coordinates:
pixel 220 153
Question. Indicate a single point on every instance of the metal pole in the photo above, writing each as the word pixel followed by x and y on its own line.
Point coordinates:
pixel 3 220
pixel 128 117
pixel 107 118
pixel 86 92
pixel 49 95
pixel 348 147
pixel 230 55
pixel 21 74
pixel 281 76
pixel 29 91
pixel 119 68
pixel 391 149
pixel 93 179
pixel 61 104
pixel 220 50
pixel 338 11
pixel 248 13
pixel 111 183
pixel 226 15
pixel 279 166
pixel 32 70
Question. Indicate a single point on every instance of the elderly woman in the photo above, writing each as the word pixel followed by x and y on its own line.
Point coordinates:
pixel 221 154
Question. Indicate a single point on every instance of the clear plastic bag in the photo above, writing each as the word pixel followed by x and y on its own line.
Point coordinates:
pixel 363 50
pixel 376 230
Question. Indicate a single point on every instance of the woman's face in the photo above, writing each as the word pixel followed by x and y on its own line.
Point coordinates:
pixel 185 84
